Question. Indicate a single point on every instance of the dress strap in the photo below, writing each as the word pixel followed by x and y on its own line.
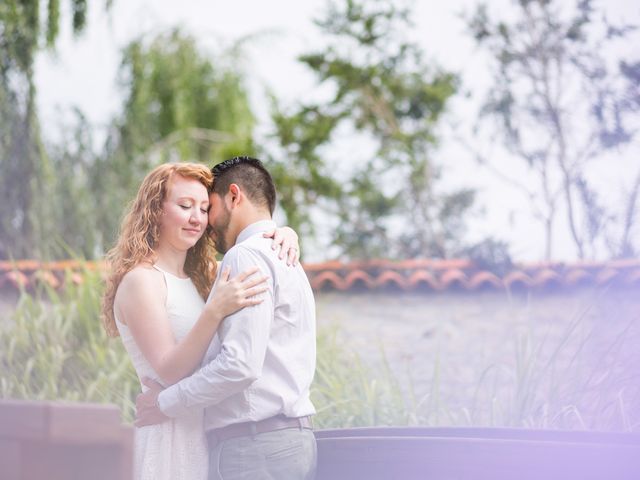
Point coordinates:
pixel 159 269
pixel 168 274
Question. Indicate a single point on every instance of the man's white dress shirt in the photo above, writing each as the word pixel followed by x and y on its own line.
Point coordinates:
pixel 262 361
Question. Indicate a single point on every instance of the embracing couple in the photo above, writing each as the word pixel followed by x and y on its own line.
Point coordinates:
pixel 226 380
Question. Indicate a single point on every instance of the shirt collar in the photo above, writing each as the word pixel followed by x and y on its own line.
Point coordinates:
pixel 256 227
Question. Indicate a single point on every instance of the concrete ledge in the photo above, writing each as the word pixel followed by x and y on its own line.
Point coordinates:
pixel 478 454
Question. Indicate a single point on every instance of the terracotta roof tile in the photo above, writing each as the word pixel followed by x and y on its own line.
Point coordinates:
pixel 46 277
pixel 577 276
pixel 607 274
pixel 426 274
pixel 423 278
pixel 453 277
pixel 390 278
pixel 356 277
pixel 484 279
pixel 517 278
pixel 17 279
pixel 547 276
pixel 76 278
pixel 327 279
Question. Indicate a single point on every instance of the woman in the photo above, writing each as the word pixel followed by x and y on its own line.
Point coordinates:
pixel 162 269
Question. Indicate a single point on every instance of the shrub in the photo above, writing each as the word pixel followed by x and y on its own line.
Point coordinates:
pixel 53 347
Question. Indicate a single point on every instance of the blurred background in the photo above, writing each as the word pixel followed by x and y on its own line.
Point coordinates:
pixel 401 129
pixel 498 133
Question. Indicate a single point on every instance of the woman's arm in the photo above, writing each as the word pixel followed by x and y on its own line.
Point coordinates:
pixel 139 305
pixel 286 239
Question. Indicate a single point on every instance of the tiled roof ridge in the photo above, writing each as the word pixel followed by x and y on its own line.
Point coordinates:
pixel 460 263
pixel 58 265
pixel 429 274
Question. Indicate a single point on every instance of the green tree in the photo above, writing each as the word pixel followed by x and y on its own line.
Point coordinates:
pixel 561 98
pixel 73 158
pixel 26 27
pixel 179 105
pixel 383 91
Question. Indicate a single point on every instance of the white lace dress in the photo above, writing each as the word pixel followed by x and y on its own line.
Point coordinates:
pixel 176 449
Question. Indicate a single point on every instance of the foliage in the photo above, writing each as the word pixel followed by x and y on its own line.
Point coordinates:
pixel 383 92
pixel 179 105
pixel 27 179
pixel 349 393
pixel 53 347
pixel 491 255
pixel 561 98
pixel 572 382
pixel 75 221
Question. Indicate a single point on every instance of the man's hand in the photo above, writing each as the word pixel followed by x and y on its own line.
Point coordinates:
pixel 147 411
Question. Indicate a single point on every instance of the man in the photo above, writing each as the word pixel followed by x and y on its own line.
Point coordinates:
pixel 255 380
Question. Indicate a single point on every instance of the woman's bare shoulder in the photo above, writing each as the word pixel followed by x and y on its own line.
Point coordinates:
pixel 142 275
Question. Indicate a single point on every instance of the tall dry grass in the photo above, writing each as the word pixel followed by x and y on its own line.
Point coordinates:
pixel 53 347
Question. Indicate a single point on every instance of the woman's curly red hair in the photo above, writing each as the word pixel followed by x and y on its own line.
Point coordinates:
pixel 139 234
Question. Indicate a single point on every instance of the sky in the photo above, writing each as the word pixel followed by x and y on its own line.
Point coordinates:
pixel 82 73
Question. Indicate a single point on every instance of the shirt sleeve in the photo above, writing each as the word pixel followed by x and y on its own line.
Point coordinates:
pixel 243 337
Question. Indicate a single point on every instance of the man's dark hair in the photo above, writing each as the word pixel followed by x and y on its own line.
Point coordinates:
pixel 250 174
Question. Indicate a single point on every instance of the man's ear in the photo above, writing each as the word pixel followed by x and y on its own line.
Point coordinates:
pixel 235 194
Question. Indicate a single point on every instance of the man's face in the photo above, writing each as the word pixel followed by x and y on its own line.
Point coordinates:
pixel 219 218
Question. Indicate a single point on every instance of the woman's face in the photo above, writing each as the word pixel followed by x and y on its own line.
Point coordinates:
pixel 184 213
